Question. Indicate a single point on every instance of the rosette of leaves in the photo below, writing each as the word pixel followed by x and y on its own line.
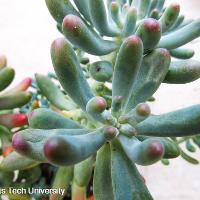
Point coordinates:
pixel 135 41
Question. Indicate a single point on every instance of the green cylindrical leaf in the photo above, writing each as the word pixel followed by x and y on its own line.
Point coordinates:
pixel 189 146
pixel 177 23
pixel 154 14
pixel 130 22
pixel 69 150
pixel 178 123
pixel 152 6
pixel 96 105
pixel 6 77
pixel 14 100
pixel 101 71
pixel 188 33
pixel 160 4
pixel 189 158
pixel 115 13
pixel 127 184
pixel 150 32
pixel 53 93
pixel 185 23
pixel 82 36
pixel 60 8
pixel 171 148
pixel 143 8
pixel 96 108
pixel 83 7
pixel 169 16
pixel 102 175
pixel 182 53
pixel 165 162
pixel 69 72
pixel 100 19
pixel 152 72
pixel 83 172
pixel 84 60
pixel 136 115
pixel 143 153
pixel 126 68
pixel 20 87
pixel 30 142
pixel 184 71
pixel 196 140
pixel 125 9
pixel 43 118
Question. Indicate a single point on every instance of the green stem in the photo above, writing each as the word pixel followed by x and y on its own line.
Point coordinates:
pixel 78 193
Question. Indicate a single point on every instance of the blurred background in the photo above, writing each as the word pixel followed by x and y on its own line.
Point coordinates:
pixel 26 33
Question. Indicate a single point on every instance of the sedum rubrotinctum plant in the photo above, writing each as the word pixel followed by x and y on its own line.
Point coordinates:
pixel 109 125
pixel 11 117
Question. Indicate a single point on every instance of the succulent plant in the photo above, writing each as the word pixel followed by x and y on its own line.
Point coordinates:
pixel 12 99
pixel 105 123
pixel 11 119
